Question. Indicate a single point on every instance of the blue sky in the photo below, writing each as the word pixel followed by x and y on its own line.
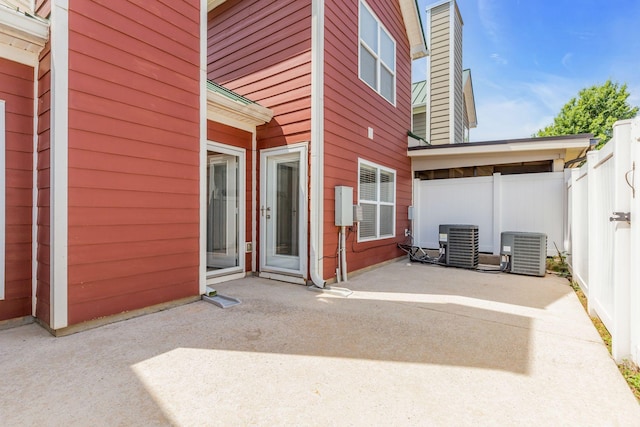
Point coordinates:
pixel 529 57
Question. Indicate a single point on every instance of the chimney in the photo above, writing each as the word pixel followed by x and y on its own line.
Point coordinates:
pixel 445 117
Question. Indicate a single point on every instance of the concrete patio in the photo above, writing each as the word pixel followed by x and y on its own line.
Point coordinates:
pixel 413 345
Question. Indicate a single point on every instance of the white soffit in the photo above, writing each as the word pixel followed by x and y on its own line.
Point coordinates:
pixel 414 28
pixel 220 105
pixel 22 37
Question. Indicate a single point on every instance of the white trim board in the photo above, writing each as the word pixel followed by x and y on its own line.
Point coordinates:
pixel 34 206
pixel 202 268
pixel 3 183
pixel 59 245
pixel 316 176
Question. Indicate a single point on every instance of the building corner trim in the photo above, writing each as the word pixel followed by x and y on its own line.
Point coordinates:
pixel 202 256
pixel 317 143
pixel 59 280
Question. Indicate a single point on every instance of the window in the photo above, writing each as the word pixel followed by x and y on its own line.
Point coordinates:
pixel 377 196
pixel 377 55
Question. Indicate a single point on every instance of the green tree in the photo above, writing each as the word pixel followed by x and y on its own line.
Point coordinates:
pixel 594 111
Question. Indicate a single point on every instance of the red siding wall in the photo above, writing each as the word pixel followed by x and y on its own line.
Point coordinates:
pixel 133 154
pixel 224 134
pixel 43 7
pixel 44 178
pixel 16 89
pixel 350 108
pixel 262 49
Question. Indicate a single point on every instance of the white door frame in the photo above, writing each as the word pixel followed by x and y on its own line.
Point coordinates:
pixel 276 272
pixel 239 271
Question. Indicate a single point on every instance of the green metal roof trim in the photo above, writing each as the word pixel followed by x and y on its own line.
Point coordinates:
pixel 215 87
pixel 419 93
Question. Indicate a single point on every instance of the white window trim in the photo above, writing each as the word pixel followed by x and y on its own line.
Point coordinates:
pixel 3 183
pixel 376 55
pixel 378 203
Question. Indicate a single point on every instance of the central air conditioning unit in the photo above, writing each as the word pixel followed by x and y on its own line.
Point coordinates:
pixel 526 252
pixel 460 245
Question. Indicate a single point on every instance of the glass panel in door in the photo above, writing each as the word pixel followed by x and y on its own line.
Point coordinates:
pixel 222 212
pixel 282 212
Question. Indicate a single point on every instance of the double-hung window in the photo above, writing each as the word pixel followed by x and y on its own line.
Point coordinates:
pixel 377 54
pixel 377 196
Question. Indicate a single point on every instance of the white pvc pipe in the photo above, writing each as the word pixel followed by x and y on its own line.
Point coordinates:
pixel 343 252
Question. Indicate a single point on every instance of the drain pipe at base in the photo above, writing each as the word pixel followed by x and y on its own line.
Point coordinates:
pixel 343 252
pixel 317 140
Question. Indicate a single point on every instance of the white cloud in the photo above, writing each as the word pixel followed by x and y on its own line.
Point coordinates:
pixel 551 91
pixel 498 59
pixel 634 96
pixel 488 18
pixel 501 118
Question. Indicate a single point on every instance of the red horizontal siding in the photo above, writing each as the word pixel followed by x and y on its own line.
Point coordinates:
pixel 266 56
pixel 133 155
pixel 43 184
pixel 43 8
pixel 17 91
pixel 351 106
pixel 157 287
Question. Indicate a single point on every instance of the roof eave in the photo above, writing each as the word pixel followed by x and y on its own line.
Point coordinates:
pixel 415 31
pixel 471 101
pixel 491 147
pixel 23 33
pixel 220 105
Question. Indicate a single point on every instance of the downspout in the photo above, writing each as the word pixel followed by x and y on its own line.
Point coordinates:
pixel 317 143
pixel 343 252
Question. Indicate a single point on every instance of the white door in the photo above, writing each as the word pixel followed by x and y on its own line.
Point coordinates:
pixel 283 211
pixel 222 212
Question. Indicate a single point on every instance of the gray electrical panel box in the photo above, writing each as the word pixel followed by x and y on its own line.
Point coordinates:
pixel 527 252
pixel 460 243
pixel 344 206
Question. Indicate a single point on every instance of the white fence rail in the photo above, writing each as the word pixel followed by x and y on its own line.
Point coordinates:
pixel 526 202
pixel 604 254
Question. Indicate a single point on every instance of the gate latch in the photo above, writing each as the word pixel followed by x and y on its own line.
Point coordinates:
pixel 621 216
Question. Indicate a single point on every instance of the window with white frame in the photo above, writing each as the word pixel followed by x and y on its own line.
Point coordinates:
pixel 377 196
pixel 377 54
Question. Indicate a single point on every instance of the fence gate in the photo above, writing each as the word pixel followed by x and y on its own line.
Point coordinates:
pixel 604 251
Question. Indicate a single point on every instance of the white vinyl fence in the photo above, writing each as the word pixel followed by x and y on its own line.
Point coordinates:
pixel 604 249
pixel 525 202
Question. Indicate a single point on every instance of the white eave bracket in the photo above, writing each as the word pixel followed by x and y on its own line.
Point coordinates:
pixel 22 37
